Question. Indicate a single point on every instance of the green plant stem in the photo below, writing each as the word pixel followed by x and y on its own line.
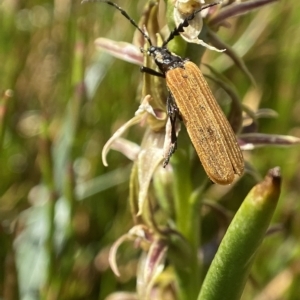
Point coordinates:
pixel 45 160
pixel 188 224
pixel 4 106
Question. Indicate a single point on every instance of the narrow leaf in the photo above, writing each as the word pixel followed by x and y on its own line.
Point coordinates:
pixel 230 268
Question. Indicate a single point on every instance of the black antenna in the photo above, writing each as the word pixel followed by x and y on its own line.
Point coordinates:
pixel 176 31
pixel 124 13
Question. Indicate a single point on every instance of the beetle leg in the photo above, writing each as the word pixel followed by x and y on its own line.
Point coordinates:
pixel 151 72
pixel 173 113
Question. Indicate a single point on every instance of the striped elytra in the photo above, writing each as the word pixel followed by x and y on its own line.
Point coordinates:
pixel 207 126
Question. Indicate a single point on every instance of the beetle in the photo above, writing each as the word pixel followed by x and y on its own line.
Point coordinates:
pixel 190 99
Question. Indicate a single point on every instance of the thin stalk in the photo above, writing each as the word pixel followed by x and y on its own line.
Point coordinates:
pixel 188 224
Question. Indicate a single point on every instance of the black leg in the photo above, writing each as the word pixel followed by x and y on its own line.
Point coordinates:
pixel 172 111
pixel 173 114
pixel 151 72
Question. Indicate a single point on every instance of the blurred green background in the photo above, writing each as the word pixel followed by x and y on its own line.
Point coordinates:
pixel 60 208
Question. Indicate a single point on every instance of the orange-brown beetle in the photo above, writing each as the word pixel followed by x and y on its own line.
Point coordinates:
pixel 191 100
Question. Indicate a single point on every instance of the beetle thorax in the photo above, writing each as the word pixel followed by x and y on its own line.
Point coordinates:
pixel 164 59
